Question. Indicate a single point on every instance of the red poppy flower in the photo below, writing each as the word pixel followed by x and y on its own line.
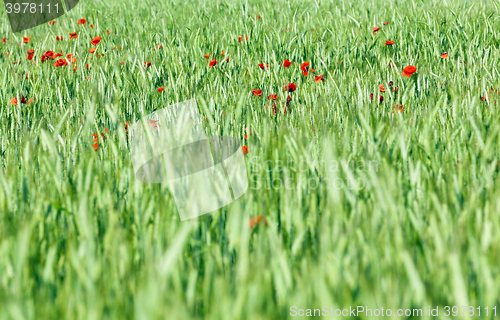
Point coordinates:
pixel 108 31
pixel 91 25
pixel 381 99
pixel 305 68
pixel 206 56
pixel 445 55
pixel 272 97
pixel 153 123
pixel 71 58
pixel 287 63
pixel 82 21
pixel 61 63
pixel 257 92
pixel 241 38
pixel 96 146
pixel 371 96
pixel 4 39
pixel 274 108
pixel 147 64
pixel 47 55
pixel 258 17
pixel 291 87
pixel 14 100
pixel 319 78
pixel 408 71
pixel 213 63
pixel 227 60
pixel 96 137
pixel 26 39
pixel 73 35
pixel 381 88
pixel 57 38
pixel 121 63
pixel 398 108
pixel 103 135
pixel 31 52
pixel 375 29
pixel 261 65
pixel 160 89
pixel 92 50
pixel 245 150
pixel 52 23
pixel 96 41
pixel 391 83
pixel 257 220
pixel 389 43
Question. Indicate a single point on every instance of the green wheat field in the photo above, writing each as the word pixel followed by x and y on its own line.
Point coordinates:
pixel 374 187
